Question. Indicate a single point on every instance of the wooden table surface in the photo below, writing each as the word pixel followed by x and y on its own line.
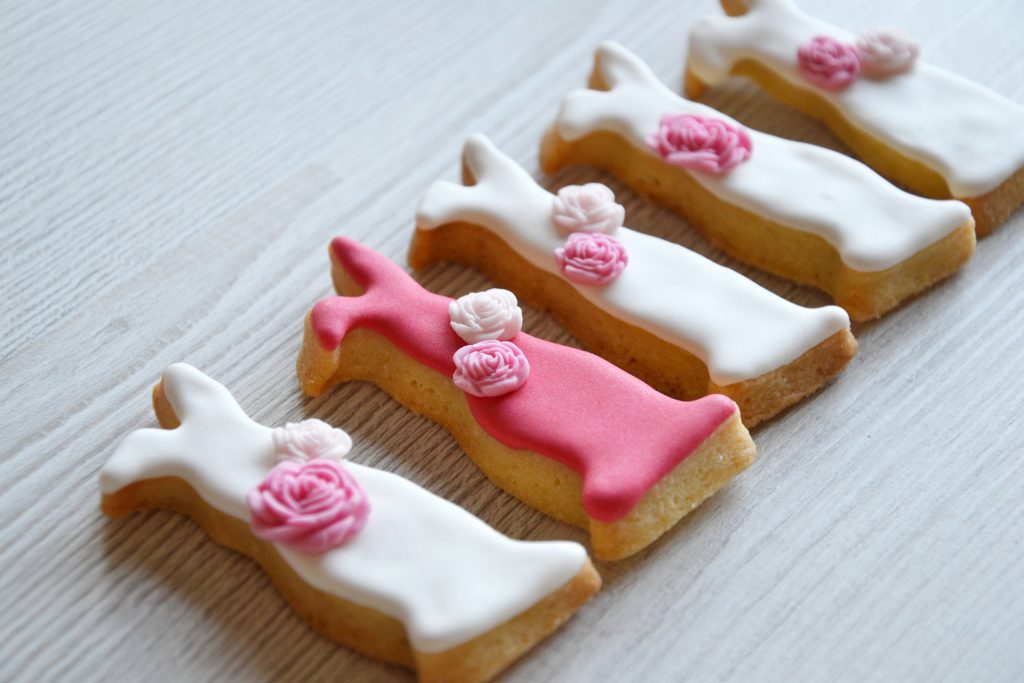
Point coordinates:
pixel 170 175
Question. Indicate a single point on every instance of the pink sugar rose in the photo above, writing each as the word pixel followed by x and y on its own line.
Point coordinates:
pixel 700 143
pixel 828 63
pixel 591 258
pixel 490 368
pixel 308 506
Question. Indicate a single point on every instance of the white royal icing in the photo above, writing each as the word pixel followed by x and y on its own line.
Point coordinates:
pixel 445 574
pixel 965 132
pixel 870 222
pixel 738 329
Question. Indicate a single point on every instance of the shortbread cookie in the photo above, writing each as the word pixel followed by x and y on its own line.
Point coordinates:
pixel 559 428
pixel 803 212
pixel 682 323
pixel 934 132
pixel 368 558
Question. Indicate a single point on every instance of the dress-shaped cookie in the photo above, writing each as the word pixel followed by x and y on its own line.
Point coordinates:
pixel 561 429
pixel 368 558
pixel 800 211
pixel 682 323
pixel 930 130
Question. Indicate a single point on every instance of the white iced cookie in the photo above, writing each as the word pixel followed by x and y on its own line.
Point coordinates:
pixel 928 129
pixel 421 582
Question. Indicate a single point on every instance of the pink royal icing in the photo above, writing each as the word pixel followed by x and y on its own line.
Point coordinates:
pixel 490 368
pixel 310 439
pixel 587 208
pixel 885 53
pixel 309 506
pixel 828 63
pixel 591 258
pixel 618 433
pixel 701 143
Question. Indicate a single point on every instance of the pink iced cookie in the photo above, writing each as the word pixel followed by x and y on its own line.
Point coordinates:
pixel 599 441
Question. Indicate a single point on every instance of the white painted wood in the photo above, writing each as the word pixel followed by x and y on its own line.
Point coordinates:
pixel 170 174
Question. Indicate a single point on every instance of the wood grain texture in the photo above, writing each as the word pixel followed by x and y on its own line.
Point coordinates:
pixel 170 174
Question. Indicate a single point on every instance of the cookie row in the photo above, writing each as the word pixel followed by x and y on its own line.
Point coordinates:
pixel 372 560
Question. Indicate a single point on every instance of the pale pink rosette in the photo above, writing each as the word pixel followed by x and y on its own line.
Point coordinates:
pixel 701 143
pixel 587 208
pixel 886 52
pixel 480 316
pixel 490 368
pixel 591 258
pixel 310 507
pixel 828 63
pixel 310 439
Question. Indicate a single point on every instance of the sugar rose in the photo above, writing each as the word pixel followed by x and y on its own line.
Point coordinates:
pixel 828 63
pixel 587 208
pixel 482 316
pixel 701 143
pixel 490 368
pixel 309 506
pixel 310 439
pixel 885 53
pixel 591 258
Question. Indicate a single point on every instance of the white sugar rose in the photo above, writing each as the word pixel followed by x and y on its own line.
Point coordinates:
pixel 484 316
pixel 587 208
pixel 885 53
pixel 310 439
